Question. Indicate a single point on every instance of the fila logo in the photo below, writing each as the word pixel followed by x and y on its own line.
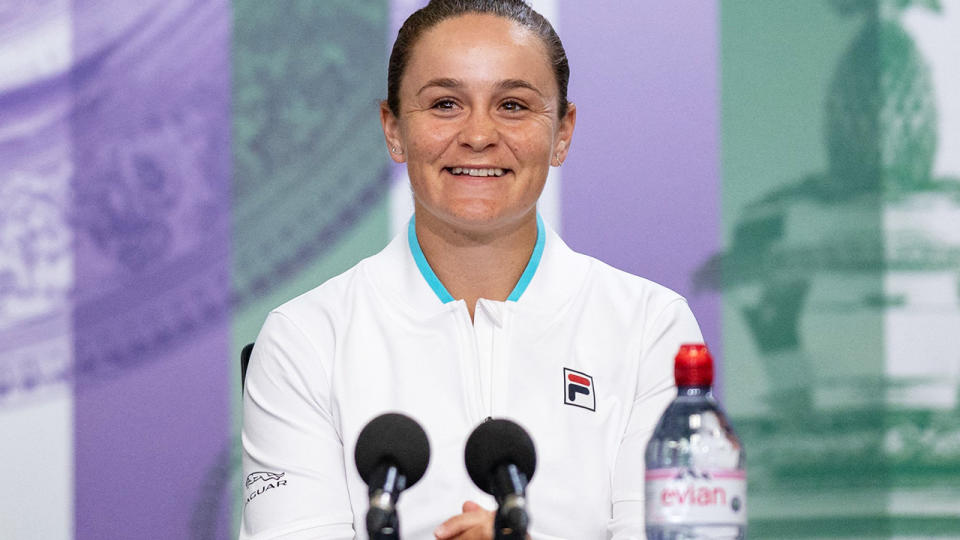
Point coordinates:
pixel 578 389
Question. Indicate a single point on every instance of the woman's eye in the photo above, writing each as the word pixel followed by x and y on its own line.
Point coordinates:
pixel 445 105
pixel 512 106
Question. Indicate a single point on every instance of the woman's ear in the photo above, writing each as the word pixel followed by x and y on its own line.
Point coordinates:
pixel 391 133
pixel 565 134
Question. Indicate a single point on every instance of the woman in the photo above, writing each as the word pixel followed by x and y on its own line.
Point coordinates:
pixel 478 311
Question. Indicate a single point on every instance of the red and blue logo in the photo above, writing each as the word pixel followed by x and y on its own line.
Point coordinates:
pixel 578 389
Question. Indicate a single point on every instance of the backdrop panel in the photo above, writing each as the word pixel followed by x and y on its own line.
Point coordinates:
pixel 151 203
pixel 36 272
pixel 310 164
pixel 840 272
pixel 642 180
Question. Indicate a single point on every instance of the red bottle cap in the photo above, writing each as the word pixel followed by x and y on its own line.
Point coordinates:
pixel 694 365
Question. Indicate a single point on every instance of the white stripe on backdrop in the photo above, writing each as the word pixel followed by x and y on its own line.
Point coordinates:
pixel 36 394
pixel 401 202
pixel 917 338
pixel 935 36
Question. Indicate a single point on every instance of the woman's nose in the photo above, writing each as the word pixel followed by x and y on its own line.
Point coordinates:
pixel 479 131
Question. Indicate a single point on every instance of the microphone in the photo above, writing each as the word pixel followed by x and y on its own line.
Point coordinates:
pixel 391 455
pixel 501 460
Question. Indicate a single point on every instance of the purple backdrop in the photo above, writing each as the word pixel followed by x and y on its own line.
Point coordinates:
pixel 641 185
pixel 151 130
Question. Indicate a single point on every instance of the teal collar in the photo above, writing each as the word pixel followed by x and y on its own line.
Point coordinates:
pixel 441 291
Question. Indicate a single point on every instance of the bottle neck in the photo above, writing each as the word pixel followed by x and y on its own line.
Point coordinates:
pixel 694 391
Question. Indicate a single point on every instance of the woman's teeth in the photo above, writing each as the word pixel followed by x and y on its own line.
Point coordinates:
pixel 476 172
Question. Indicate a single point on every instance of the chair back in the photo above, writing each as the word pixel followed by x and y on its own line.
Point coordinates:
pixel 244 361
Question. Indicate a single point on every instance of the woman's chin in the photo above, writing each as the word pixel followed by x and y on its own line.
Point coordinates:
pixel 482 218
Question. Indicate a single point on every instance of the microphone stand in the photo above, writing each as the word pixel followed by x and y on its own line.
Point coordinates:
pixel 382 520
pixel 390 531
pixel 511 520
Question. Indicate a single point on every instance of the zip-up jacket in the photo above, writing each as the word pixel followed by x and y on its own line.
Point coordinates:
pixel 580 355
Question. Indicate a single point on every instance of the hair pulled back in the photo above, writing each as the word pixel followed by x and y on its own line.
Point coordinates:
pixel 439 10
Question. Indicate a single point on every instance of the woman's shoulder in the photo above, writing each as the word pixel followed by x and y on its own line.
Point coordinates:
pixel 634 285
pixel 643 308
pixel 575 280
pixel 314 318
pixel 615 284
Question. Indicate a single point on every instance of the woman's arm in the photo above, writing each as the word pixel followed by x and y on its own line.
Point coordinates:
pixel 293 470
pixel 655 390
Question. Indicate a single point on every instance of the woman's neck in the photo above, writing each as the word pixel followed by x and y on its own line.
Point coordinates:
pixel 483 265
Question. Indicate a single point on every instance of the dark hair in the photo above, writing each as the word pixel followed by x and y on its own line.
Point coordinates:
pixel 439 10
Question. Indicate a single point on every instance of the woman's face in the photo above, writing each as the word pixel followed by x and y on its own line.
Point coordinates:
pixel 478 125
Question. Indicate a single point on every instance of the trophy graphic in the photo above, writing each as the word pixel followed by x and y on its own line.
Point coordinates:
pixel 847 284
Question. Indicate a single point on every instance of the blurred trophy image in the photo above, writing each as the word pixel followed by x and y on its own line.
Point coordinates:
pixel 842 304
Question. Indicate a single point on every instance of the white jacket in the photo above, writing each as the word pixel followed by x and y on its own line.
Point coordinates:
pixel 386 336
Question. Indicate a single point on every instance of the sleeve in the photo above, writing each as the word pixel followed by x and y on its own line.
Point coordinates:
pixel 655 390
pixel 294 479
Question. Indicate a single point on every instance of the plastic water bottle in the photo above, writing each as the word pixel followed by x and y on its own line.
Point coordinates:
pixel 696 483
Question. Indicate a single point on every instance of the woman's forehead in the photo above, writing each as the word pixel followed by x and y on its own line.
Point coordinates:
pixel 482 26
pixel 479 49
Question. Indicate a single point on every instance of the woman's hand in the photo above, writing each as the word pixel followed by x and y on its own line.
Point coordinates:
pixel 474 523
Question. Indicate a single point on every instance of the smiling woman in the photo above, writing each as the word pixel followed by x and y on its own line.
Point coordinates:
pixel 478 97
pixel 479 310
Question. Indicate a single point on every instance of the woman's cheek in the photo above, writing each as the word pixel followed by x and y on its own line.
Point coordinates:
pixel 533 145
pixel 431 143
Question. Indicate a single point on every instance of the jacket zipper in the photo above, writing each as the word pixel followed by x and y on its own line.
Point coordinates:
pixel 476 392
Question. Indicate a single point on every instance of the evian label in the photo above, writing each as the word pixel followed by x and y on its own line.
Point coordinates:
pixel 691 496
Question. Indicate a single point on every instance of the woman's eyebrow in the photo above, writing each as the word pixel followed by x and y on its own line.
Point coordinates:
pixel 506 84
pixel 442 83
pixel 509 84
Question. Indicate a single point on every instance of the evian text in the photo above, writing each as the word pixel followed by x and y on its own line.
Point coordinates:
pixel 693 496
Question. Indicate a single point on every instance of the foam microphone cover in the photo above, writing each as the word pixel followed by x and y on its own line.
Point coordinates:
pixel 395 439
pixel 495 443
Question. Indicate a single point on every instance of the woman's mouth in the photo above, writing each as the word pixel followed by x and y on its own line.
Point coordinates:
pixel 467 171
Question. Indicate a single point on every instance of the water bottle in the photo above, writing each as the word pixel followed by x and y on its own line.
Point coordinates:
pixel 696 483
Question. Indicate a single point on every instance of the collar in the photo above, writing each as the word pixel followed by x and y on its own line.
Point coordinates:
pixel 434 282
pixel 553 275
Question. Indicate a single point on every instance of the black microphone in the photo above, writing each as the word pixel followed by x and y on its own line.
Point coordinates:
pixel 392 454
pixel 501 460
